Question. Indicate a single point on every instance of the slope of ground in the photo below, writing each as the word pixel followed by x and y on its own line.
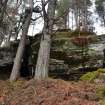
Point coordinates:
pixel 49 92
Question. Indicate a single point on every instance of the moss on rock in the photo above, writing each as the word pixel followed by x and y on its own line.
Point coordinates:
pixel 100 92
pixel 77 32
pixel 103 102
pixel 90 76
pixel 101 70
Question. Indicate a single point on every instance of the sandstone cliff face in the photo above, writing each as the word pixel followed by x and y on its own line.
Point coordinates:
pixel 66 56
pixel 76 56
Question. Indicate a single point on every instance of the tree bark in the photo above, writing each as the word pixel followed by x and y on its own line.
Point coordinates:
pixel 18 59
pixel 3 7
pixel 44 51
pixel 76 12
pixel 85 16
pixel 43 58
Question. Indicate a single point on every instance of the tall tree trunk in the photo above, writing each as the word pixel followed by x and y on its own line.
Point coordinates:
pixel 85 15
pixel 68 21
pixel 76 12
pixel 65 21
pixel 3 7
pixel 44 51
pixel 43 58
pixel 18 59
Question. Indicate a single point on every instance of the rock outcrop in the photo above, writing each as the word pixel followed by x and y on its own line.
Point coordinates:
pixel 66 56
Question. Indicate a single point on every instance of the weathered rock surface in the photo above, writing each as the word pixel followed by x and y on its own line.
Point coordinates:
pixel 65 55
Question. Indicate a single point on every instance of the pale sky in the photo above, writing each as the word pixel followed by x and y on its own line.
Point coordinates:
pixel 97 24
pixel 38 26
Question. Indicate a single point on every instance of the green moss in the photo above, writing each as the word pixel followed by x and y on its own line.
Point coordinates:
pixel 90 76
pixel 103 102
pixel 101 70
pixel 77 32
pixel 63 34
pixel 100 92
pixel 58 43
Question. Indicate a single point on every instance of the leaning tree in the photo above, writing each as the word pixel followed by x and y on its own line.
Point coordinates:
pixel 18 59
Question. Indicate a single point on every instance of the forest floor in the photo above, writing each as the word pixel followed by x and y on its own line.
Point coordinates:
pixel 48 92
